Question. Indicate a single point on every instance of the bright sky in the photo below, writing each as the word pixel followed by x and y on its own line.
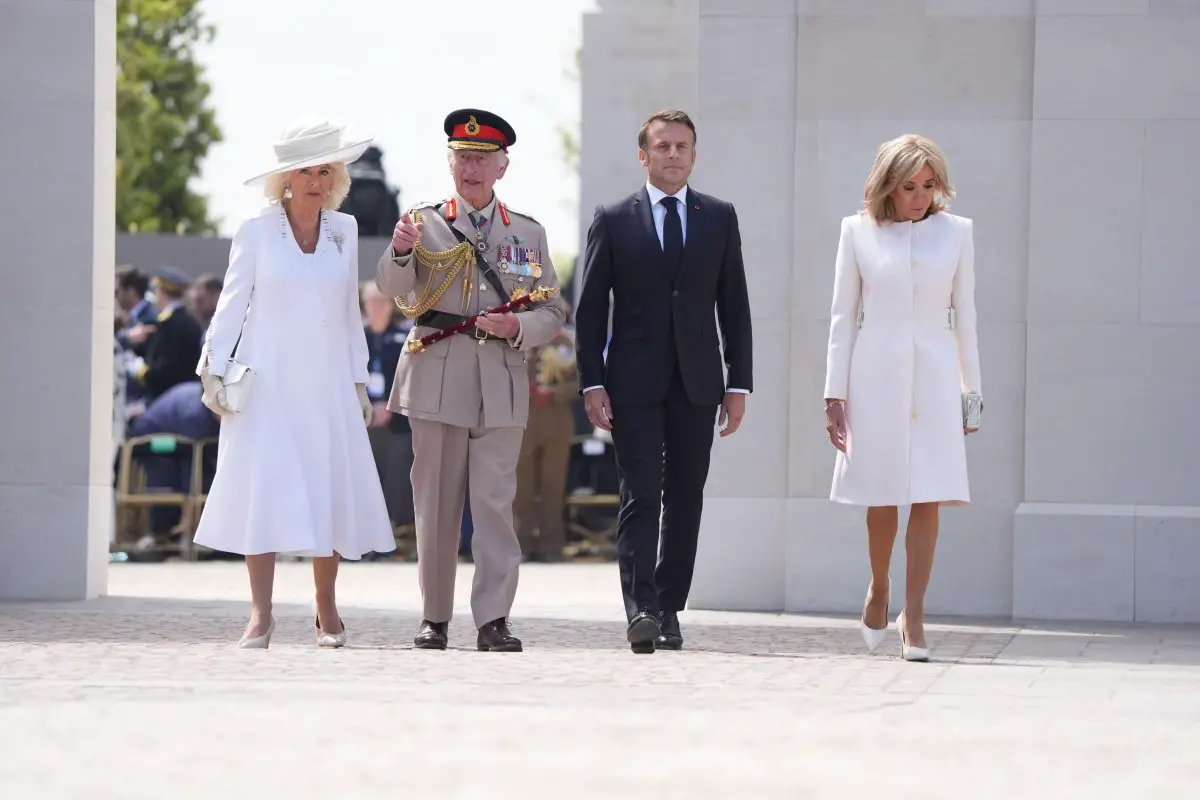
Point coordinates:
pixel 393 69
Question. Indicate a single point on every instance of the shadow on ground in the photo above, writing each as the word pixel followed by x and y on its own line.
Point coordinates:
pixel 161 620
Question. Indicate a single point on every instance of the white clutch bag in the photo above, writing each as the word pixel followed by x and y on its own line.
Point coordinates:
pixel 239 377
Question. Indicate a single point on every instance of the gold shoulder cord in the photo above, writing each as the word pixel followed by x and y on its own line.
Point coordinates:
pixel 450 262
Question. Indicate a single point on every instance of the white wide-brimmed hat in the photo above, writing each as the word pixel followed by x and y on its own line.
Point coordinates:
pixel 311 142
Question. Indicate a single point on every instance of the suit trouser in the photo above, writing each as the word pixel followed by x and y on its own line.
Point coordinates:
pixel 542 479
pixel 442 456
pixel 663 452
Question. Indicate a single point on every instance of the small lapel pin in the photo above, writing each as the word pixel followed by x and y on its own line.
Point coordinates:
pixel 696 206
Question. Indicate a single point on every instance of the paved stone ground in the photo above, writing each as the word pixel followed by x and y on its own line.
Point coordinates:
pixel 143 695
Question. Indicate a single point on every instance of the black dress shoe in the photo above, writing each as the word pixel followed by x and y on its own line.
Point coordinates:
pixel 643 631
pixel 671 637
pixel 496 637
pixel 432 636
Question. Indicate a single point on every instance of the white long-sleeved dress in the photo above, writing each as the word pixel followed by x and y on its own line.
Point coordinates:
pixel 295 472
pixel 902 350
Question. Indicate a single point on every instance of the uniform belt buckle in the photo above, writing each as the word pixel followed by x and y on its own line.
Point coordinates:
pixel 480 335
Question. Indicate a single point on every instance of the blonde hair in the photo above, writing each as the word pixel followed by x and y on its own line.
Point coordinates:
pixel 276 185
pixel 897 161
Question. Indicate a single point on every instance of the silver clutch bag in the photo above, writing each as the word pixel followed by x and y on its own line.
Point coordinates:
pixel 972 409
pixel 239 377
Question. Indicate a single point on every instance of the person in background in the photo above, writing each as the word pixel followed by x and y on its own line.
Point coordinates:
pixel 546 450
pixel 140 317
pixel 202 298
pixel 180 411
pixel 391 436
pixel 133 298
pixel 174 348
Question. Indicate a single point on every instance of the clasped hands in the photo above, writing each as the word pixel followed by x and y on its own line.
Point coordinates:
pixel 213 395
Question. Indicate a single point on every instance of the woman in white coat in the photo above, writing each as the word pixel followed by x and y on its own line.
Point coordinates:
pixel 902 357
pixel 294 467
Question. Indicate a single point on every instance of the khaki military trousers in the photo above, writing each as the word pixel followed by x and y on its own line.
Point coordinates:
pixel 542 480
pixel 442 457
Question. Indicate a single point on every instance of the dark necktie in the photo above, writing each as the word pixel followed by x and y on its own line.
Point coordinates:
pixel 672 236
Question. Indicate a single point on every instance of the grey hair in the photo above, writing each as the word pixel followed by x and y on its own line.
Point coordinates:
pixel 450 151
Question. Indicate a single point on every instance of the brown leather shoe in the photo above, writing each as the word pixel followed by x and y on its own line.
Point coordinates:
pixel 496 637
pixel 432 636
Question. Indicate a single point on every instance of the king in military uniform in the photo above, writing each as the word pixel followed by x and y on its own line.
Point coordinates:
pixel 467 395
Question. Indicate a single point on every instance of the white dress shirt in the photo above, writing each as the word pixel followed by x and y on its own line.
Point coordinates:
pixel 659 212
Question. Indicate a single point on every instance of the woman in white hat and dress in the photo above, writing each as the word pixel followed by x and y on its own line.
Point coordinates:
pixel 285 366
pixel 903 370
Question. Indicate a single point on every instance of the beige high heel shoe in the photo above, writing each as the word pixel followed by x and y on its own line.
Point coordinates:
pixel 258 642
pixel 324 638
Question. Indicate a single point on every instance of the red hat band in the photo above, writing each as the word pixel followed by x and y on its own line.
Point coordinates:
pixel 473 131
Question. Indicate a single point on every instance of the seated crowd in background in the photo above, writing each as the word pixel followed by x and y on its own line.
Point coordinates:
pixel 159 335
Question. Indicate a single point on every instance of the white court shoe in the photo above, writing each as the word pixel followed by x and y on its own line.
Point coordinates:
pixel 908 652
pixel 873 636
pixel 258 642
pixel 325 638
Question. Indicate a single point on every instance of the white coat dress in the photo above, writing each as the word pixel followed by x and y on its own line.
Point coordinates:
pixel 902 350
pixel 295 472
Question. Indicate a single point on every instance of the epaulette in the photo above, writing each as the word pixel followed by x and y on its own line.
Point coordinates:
pixel 506 210
pixel 423 204
pixel 165 314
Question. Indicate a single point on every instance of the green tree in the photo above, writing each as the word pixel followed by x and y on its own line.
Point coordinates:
pixel 164 124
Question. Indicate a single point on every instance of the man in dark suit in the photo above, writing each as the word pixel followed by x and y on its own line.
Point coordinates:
pixel 669 256
pixel 173 351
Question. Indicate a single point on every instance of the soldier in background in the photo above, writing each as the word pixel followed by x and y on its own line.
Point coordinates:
pixel 391 436
pixel 546 450
pixel 173 350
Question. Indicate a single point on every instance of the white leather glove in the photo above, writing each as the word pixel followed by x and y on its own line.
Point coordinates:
pixel 364 402
pixel 214 394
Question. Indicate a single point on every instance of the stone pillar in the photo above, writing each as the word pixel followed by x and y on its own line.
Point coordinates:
pixel 1110 526
pixel 1074 156
pixel 57 100
pixel 638 57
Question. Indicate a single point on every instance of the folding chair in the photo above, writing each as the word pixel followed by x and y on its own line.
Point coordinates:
pixel 132 492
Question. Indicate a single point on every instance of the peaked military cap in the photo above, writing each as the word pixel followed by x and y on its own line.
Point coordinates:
pixel 172 279
pixel 474 129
